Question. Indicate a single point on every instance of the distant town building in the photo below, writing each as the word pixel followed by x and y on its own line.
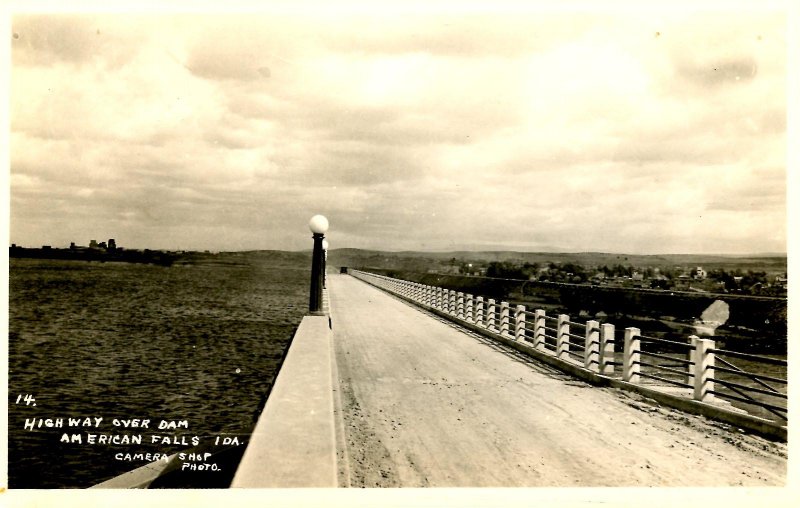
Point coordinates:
pixel 93 244
pixel 112 245
pixel 699 273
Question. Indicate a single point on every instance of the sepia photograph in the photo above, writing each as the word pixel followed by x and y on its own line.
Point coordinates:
pixel 399 249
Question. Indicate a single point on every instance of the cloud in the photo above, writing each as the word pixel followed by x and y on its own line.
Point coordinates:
pixel 582 130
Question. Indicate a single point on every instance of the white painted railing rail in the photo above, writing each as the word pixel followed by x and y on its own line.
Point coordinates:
pixel 589 346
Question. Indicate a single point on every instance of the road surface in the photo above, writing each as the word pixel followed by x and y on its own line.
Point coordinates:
pixel 426 404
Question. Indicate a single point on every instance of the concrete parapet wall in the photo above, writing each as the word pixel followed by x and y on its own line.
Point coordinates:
pixel 294 441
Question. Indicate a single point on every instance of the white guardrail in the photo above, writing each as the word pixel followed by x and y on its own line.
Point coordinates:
pixel 590 348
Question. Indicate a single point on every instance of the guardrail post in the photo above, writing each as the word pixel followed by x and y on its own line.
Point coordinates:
pixel 446 302
pixel 519 322
pixel 703 375
pixel 479 319
pixel 470 306
pixel 631 356
pixel 460 307
pixel 491 316
pixel 562 338
pixel 538 329
pixel 591 354
pixel 429 296
pixel 454 303
pixel 607 349
pixel 504 318
pixel 439 298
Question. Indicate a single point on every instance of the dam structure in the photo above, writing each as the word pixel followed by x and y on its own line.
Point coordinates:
pixel 391 383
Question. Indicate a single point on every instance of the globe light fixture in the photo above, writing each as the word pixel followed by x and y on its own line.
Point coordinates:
pixel 318 224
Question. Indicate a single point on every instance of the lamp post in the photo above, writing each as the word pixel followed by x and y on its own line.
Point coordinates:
pixel 325 264
pixel 318 226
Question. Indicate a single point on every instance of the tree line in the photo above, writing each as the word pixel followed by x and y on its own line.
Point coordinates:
pixel 735 280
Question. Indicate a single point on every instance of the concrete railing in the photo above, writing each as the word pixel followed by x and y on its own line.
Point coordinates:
pixel 589 351
pixel 294 443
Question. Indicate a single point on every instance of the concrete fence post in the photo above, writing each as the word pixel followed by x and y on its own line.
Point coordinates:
pixel 454 303
pixel 470 307
pixel 519 323
pixel 460 307
pixel 631 356
pixel 430 296
pixel 562 338
pixel 538 329
pixel 439 298
pixel 607 349
pixel 504 315
pixel 703 371
pixel 479 319
pixel 491 315
pixel 591 354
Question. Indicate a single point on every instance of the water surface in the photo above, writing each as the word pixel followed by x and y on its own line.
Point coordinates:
pixel 198 342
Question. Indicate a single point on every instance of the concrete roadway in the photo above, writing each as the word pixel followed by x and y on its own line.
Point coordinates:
pixel 424 403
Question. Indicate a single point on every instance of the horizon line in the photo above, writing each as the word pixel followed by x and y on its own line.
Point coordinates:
pixel 449 251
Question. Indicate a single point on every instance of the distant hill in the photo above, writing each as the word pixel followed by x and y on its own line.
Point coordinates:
pixel 424 261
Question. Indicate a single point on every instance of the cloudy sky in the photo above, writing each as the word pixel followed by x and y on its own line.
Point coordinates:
pixel 640 132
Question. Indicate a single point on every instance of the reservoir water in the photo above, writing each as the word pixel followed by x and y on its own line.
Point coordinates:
pixel 195 346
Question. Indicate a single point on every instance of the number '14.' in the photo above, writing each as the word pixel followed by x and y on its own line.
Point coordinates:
pixel 27 399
